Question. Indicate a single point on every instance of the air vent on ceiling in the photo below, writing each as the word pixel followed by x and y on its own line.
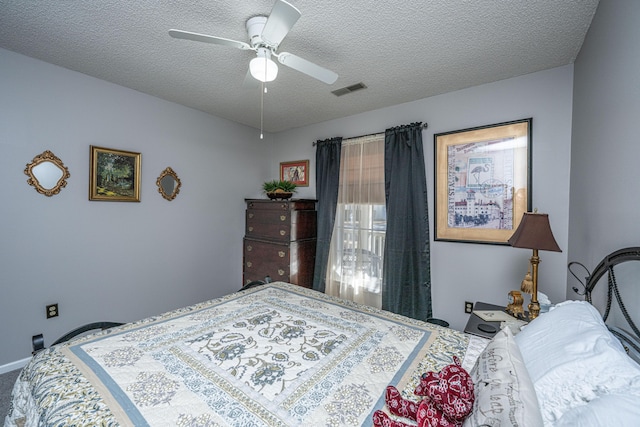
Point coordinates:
pixel 349 89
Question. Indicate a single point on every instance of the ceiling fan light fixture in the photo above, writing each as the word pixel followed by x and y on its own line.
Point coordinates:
pixel 265 35
pixel 262 67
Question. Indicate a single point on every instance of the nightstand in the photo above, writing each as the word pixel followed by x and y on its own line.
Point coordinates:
pixel 477 326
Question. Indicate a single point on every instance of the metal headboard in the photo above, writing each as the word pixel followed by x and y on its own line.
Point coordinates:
pixel 606 266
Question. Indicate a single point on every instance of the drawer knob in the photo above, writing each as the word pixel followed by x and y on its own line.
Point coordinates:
pixel 283 217
pixel 249 248
pixel 281 272
pixel 283 232
pixel 281 254
pixel 250 228
pixel 250 215
pixel 249 264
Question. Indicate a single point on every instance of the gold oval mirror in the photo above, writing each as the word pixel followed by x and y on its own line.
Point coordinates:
pixel 168 184
pixel 47 173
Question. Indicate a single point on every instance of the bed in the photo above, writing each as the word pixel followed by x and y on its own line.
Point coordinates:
pixel 283 355
pixel 273 355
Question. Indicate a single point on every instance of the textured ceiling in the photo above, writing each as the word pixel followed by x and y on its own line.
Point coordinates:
pixel 401 50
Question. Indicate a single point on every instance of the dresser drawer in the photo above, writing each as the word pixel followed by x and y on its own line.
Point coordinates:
pixel 281 226
pixel 267 259
pixel 273 225
pixel 258 253
pixel 252 275
pixel 272 205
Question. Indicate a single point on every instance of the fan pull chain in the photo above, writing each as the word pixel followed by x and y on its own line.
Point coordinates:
pixel 262 90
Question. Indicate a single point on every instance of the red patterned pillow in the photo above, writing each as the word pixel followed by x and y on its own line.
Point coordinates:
pixel 451 390
pixel 429 415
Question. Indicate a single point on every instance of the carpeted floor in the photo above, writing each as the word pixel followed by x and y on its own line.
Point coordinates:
pixel 6 386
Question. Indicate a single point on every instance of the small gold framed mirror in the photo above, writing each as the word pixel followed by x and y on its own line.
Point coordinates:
pixel 47 173
pixel 168 184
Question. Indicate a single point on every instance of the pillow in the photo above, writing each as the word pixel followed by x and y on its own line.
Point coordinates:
pixel 572 358
pixel 451 390
pixel 504 393
pixel 606 410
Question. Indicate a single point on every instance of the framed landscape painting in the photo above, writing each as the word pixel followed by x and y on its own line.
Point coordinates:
pixel 114 175
pixel 483 182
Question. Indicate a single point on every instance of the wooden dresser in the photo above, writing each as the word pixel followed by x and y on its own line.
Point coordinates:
pixel 280 241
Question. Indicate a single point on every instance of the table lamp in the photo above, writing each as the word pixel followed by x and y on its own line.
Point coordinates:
pixel 534 232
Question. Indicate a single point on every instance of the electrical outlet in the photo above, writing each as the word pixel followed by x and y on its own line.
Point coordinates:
pixel 468 307
pixel 52 311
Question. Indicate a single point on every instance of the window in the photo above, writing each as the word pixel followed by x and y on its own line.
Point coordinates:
pixel 357 244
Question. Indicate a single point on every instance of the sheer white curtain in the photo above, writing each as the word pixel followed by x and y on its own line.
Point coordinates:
pixel 357 244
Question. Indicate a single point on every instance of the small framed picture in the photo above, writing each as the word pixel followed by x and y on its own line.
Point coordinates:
pixel 483 182
pixel 296 172
pixel 114 175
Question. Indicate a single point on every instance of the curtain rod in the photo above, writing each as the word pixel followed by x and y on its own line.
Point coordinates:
pixel 424 126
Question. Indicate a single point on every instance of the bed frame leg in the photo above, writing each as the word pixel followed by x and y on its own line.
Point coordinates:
pixel 37 343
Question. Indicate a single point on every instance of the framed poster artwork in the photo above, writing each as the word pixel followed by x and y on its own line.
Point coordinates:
pixel 114 175
pixel 296 172
pixel 483 182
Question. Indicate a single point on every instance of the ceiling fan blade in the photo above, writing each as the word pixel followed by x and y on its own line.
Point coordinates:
pixel 188 35
pixel 307 67
pixel 282 18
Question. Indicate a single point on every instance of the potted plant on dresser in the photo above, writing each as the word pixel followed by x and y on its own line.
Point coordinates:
pixel 278 189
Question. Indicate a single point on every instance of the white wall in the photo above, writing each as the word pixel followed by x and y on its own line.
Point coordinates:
pixel 605 199
pixel 114 261
pixel 474 272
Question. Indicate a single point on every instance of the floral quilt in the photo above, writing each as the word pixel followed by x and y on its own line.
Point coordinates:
pixel 275 355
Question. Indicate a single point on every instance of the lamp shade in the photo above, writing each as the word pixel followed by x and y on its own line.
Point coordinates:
pixel 262 67
pixel 534 232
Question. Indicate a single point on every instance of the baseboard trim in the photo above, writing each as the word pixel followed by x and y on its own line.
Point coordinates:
pixel 18 364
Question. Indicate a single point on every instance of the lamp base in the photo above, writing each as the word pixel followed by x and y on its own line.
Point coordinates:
pixel 534 309
pixel 534 306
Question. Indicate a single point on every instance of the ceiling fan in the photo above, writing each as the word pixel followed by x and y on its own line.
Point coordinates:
pixel 265 35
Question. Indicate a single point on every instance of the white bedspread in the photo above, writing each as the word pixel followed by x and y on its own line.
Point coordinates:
pixel 276 355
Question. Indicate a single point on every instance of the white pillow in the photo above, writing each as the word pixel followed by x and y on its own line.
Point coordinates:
pixel 614 410
pixel 572 358
pixel 504 394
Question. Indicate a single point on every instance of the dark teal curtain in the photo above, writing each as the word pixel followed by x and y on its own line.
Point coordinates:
pixel 406 286
pixel 327 179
